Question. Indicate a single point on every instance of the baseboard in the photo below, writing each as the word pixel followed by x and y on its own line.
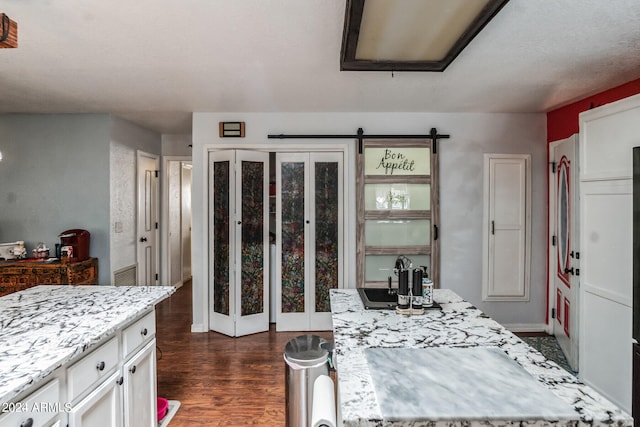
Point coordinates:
pixel 198 327
pixel 526 327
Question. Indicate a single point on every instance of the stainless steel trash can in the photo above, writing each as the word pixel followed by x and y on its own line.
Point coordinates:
pixel 305 359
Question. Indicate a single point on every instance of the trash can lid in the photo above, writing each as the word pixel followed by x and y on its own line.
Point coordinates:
pixel 306 350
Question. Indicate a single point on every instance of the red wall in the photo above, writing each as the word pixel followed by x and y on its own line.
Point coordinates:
pixel 563 122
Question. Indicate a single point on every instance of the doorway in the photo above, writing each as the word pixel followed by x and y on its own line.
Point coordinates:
pixel 177 225
pixel 564 249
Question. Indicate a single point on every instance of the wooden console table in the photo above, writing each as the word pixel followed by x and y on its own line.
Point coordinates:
pixel 18 275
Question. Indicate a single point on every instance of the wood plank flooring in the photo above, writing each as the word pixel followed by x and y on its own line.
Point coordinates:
pixel 220 381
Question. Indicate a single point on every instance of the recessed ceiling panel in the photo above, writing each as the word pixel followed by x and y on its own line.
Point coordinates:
pixel 411 35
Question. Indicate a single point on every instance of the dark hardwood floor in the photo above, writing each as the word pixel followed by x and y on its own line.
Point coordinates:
pixel 220 381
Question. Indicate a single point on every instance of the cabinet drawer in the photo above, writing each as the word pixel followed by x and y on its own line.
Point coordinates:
pixel 138 333
pixel 92 368
pixel 41 406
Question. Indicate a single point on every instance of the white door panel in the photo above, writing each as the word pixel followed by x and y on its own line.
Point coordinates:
pixel 507 227
pixel 147 218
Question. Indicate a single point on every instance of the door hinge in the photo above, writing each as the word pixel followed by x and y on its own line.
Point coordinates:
pixel 553 240
pixel 577 270
pixel 553 167
pixel 156 225
pixel 553 313
pixel 157 173
pixel 156 276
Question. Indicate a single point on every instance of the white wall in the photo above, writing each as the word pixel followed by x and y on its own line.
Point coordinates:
pixel 176 145
pixel 126 139
pixel 461 162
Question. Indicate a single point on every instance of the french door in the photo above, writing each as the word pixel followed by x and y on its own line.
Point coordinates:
pixel 238 242
pixel 309 238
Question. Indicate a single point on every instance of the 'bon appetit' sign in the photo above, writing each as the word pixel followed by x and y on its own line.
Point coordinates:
pixel 397 161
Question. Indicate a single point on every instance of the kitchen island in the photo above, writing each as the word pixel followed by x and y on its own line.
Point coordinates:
pixel 69 343
pixel 388 363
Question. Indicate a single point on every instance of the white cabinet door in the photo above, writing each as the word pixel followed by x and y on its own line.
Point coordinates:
pixel 140 388
pixel 102 407
pixel 309 235
pixel 507 227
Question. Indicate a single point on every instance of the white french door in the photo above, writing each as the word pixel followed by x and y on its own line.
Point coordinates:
pixel 564 251
pixel 239 242
pixel 309 238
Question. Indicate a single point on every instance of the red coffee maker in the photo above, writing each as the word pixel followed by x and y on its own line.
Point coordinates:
pixel 78 242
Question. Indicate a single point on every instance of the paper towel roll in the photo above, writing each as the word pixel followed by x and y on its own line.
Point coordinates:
pixel 323 411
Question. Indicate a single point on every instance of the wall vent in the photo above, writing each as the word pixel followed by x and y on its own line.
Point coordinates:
pixel 126 276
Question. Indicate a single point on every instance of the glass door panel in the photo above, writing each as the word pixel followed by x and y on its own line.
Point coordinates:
pixel 221 223
pixel 252 279
pixel 327 235
pixel 397 232
pixel 403 161
pixel 378 268
pixel 397 197
pixel 293 236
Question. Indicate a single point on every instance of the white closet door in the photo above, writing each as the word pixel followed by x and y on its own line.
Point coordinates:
pixel 506 247
pixel 239 242
pixel 309 236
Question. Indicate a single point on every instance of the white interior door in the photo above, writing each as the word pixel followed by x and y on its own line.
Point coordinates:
pixel 239 242
pixel 147 221
pixel 309 236
pixel 507 232
pixel 564 252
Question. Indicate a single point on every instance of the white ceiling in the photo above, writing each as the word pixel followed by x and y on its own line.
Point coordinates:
pixel 156 61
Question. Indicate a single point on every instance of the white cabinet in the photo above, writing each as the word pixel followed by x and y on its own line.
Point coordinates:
pixel 507 230
pixel 92 369
pixel 140 388
pixel 40 408
pixel 102 407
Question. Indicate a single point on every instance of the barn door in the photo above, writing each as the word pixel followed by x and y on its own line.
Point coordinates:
pixel 239 242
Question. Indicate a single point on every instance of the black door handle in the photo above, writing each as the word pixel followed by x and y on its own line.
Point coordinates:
pixel 27 423
pixel 568 270
pixel 143 239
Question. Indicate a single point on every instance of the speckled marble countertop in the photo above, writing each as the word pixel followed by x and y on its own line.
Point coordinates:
pixel 457 325
pixel 43 327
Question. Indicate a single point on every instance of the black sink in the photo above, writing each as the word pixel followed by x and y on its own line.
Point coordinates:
pixel 379 298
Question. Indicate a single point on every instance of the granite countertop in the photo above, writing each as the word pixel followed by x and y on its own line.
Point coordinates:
pixel 360 335
pixel 43 327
